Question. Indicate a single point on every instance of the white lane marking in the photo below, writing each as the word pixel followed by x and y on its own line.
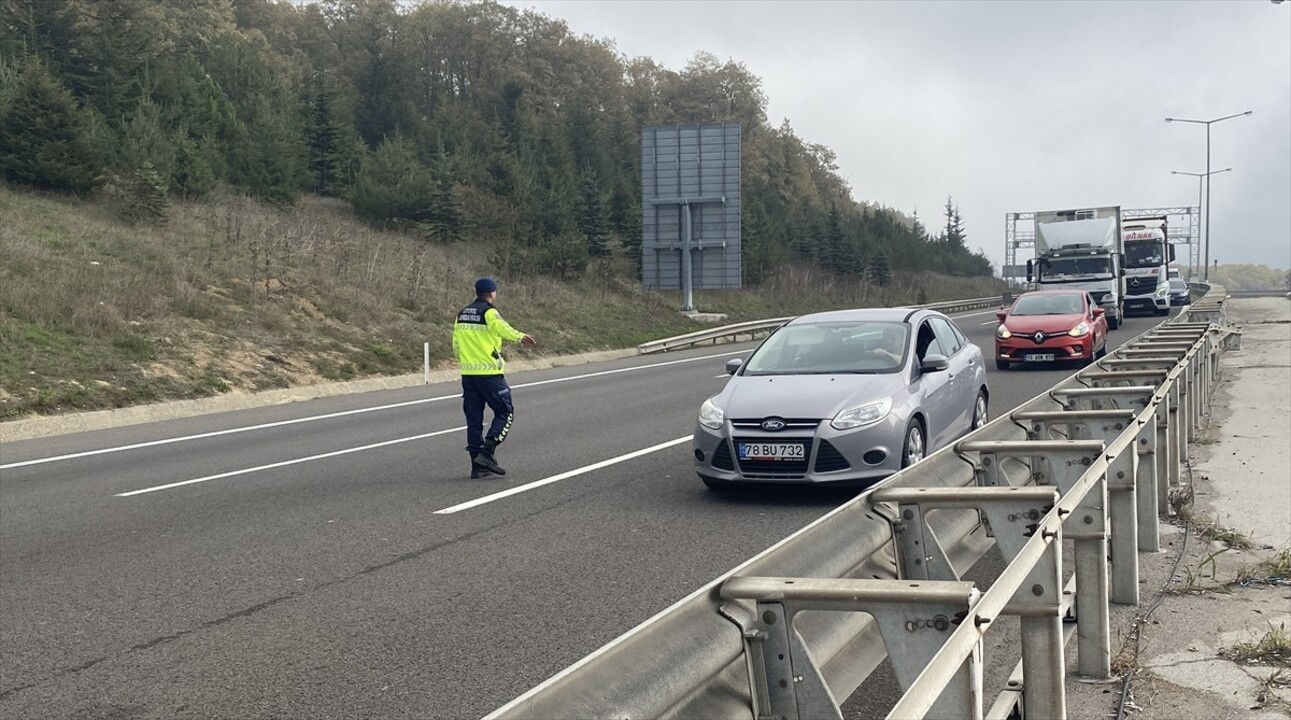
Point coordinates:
pixel 992 322
pixel 343 413
pixel 984 312
pixel 563 476
pixel 285 463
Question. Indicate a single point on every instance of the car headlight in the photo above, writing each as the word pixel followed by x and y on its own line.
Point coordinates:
pixel 711 416
pixel 866 414
pixel 1080 330
pixel 1003 333
pixel 1162 290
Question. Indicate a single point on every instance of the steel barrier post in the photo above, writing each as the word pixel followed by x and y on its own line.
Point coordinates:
pixel 1145 481
pixel 1044 664
pixel 1163 456
pixel 1062 464
pixel 1107 425
pixel 914 618
pixel 1177 420
pixel 1089 536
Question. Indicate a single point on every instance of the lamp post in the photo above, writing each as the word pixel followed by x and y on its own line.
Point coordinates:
pixel 1199 176
pixel 1208 123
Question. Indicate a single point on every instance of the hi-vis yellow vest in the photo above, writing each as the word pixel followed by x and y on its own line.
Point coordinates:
pixel 477 339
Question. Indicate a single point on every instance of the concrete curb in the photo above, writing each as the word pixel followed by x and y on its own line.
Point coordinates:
pixel 47 426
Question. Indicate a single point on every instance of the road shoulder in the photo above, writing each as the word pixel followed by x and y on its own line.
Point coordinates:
pixel 1212 634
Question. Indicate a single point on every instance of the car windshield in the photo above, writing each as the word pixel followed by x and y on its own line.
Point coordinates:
pixel 1048 305
pixel 1178 284
pixel 828 348
pixel 1098 266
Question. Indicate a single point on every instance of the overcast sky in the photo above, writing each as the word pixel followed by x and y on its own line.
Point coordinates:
pixel 1010 106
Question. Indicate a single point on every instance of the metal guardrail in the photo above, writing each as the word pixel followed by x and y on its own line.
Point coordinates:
pixel 1090 461
pixel 754 328
pixel 1259 293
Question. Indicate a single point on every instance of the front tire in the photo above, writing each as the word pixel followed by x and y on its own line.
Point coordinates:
pixel 980 415
pixel 1113 322
pixel 1001 365
pixel 916 445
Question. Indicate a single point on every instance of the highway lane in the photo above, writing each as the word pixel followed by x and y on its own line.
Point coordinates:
pixel 332 588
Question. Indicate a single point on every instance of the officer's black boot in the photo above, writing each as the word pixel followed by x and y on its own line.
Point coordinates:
pixel 487 460
pixel 477 470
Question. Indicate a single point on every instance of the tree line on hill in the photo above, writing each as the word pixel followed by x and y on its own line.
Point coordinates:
pixel 461 120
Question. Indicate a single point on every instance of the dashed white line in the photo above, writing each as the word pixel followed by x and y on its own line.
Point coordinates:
pixel 557 478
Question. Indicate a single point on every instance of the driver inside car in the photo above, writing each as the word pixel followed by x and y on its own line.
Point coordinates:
pixel 889 347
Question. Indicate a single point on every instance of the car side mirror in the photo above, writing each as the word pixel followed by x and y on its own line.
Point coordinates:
pixel 1099 312
pixel 934 363
pixel 1001 315
pixel 732 365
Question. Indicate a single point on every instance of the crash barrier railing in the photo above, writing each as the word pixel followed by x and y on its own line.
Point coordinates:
pixel 1284 292
pixel 796 629
pixel 754 329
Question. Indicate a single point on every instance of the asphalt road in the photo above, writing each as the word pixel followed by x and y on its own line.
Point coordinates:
pixel 332 559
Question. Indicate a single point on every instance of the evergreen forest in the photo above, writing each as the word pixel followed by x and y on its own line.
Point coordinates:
pixel 457 121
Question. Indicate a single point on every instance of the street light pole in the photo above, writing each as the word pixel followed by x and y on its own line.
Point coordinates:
pixel 1199 176
pixel 1208 123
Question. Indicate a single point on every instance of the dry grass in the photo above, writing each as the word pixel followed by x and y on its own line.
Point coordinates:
pixel 231 293
pixel 1209 528
pixel 1273 570
pixel 1273 648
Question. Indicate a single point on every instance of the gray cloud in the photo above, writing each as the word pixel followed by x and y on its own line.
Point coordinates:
pixel 1010 106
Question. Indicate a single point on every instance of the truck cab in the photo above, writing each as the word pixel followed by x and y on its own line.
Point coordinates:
pixel 1148 254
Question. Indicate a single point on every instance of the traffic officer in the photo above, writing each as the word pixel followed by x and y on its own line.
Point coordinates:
pixel 477 341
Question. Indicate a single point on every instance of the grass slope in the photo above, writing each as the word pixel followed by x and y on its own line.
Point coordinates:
pixel 232 294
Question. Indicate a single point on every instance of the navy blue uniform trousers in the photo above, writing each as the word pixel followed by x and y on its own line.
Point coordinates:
pixel 479 391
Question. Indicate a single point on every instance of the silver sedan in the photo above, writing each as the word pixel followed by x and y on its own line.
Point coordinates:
pixel 850 396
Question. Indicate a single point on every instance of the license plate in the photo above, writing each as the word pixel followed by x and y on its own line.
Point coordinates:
pixel 772 451
pixel 1040 357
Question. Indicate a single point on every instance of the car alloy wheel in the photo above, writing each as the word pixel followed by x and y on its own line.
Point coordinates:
pixel 979 411
pixel 914 445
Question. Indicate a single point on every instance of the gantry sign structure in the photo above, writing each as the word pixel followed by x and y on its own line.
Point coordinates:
pixel 690 204
pixel 1183 224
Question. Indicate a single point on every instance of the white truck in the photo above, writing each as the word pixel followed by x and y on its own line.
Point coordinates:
pixel 1082 249
pixel 1148 255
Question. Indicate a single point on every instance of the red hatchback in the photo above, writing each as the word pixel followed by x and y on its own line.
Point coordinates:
pixel 1050 326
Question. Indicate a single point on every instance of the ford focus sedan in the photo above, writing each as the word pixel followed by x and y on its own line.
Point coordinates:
pixel 1047 326
pixel 846 397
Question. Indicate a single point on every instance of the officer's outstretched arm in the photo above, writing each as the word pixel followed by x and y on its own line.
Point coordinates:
pixel 495 322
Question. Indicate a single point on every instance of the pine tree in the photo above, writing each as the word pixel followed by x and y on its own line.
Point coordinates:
pixel 954 233
pixel 445 223
pixel 593 218
pixel 879 269
pixel 392 185
pixel 325 138
pixel 145 195
pixel 44 136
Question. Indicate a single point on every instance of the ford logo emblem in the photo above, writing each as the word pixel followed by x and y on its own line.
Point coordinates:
pixel 773 424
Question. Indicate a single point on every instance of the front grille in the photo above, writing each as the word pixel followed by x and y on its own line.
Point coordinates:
pixel 1141 289
pixel 774 468
pixel 722 457
pixel 789 423
pixel 828 459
